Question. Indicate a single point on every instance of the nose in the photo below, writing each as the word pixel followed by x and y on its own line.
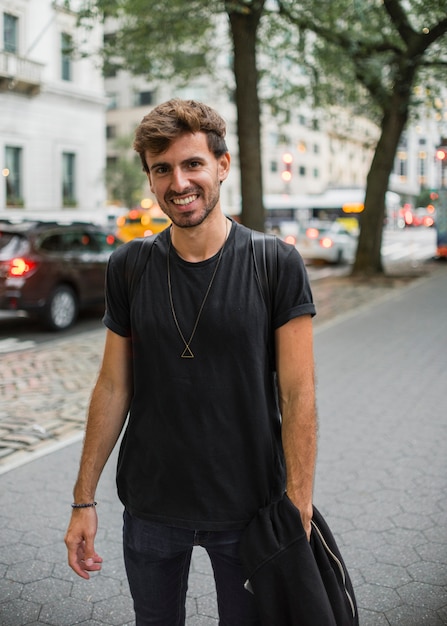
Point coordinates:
pixel 179 180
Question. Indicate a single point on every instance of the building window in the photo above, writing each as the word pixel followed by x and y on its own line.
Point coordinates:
pixel 422 163
pixel 401 165
pixel 110 69
pixel 10 33
pixel 302 170
pixel 66 56
pixel 110 132
pixel 13 176
pixel 273 166
pixel 112 101
pixel 143 98
pixel 69 179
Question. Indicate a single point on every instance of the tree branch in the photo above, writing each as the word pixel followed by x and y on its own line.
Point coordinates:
pixel 342 39
pixel 399 19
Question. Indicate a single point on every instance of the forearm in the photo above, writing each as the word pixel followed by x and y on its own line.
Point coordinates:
pixel 106 416
pixel 299 436
pixel 296 386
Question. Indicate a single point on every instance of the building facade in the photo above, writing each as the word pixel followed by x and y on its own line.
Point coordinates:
pixel 52 110
pixel 417 165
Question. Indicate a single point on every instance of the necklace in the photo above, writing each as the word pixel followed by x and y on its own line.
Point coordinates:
pixel 187 352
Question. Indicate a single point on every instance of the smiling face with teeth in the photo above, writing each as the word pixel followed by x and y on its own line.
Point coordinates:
pixel 186 179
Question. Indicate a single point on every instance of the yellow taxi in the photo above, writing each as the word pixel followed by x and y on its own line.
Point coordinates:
pixel 141 223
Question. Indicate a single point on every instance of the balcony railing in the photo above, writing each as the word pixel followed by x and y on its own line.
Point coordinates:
pixel 19 74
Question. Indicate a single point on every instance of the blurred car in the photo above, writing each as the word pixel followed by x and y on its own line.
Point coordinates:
pixel 425 216
pixel 421 216
pixel 287 230
pixel 327 241
pixel 141 223
pixel 52 270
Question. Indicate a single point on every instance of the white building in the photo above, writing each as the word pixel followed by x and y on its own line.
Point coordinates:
pixel 52 110
pixel 416 166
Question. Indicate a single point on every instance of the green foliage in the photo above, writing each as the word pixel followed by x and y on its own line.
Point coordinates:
pixel 359 50
pixel 156 40
pixel 325 52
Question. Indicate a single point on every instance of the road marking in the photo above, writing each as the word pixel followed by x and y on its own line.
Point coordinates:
pixel 13 344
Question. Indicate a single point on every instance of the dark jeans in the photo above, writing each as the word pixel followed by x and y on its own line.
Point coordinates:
pixel 157 559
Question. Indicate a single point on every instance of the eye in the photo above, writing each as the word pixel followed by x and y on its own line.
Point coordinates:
pixel 195 164
pixel 160 170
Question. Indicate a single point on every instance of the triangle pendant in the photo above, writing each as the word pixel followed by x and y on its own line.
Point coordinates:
pixel 187 353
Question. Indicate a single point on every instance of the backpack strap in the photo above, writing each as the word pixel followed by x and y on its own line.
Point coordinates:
pixel 265 256
pixel 136 260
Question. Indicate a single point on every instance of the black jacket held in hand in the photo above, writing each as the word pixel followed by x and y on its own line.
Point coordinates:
pixel 296 582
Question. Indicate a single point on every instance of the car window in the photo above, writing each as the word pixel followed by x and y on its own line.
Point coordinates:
pixel 133 220
pixel 79 241
pixel 52 243
pixel 106 241
pixel 12 244
pixel 344 231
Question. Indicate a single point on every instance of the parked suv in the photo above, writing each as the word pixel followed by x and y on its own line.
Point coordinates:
pixel 53 269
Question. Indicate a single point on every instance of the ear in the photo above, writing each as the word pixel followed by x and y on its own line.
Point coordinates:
pixel 223 166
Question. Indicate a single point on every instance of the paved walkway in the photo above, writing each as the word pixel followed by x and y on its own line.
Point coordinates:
pixel 381 474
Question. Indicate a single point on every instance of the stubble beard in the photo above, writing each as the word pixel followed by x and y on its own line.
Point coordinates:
pixel 191 219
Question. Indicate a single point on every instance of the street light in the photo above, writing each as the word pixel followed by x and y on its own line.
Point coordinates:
pixel 441 154
pixel 286 174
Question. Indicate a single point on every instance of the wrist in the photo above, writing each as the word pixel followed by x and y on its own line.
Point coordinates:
pixel 84 505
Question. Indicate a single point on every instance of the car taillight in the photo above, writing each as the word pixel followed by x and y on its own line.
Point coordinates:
pixel 326 242
pixel 20 267
pixel 312 233
pixel 408 218
pixel 290 239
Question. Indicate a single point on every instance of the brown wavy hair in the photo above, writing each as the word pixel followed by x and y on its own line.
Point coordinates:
pixel 169 120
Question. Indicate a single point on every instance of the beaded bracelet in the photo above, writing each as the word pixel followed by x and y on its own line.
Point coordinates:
pixel 83 506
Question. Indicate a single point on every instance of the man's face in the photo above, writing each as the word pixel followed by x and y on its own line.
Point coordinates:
pixel 186 179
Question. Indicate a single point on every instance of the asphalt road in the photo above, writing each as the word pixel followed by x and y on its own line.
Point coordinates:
pixel 20 328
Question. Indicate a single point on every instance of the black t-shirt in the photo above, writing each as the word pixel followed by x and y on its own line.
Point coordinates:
pixel 202 447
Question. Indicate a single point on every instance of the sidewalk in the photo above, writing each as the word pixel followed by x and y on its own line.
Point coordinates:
pixel 381 470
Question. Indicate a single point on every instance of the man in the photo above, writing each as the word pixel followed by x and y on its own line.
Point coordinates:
pixel 211 436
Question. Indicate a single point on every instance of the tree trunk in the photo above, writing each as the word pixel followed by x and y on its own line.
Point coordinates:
pixel 244 27
pixel 369 259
